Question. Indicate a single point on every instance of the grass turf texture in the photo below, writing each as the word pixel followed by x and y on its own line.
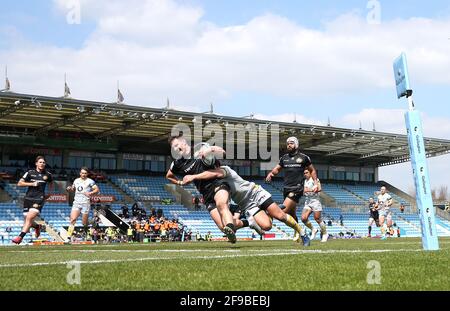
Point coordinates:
pixel 249 265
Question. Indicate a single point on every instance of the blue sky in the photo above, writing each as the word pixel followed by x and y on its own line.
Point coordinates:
pixel 311 13
pixel 41 23
pixel 317 59
pixel 39 20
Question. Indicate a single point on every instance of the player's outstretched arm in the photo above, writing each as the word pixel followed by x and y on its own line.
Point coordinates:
pixel 207 150
pixel 206 175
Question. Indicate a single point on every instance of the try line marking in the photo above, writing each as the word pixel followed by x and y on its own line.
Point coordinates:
pixel 263 254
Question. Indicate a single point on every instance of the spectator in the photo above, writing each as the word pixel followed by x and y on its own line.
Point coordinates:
pixel 197 203
pixel 341 220
pixel 130 234
pixel 330 223
pixel 402 207
pixel 198 237
pixel 152 212
pixel 188 236
pixel 95 235
pixel 141 233
pixel 125 211
pixel 134 209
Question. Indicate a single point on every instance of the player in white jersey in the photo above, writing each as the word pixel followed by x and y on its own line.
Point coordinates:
pixel 313 205
pixel 252 199
pixel 384 202
pixel 84 188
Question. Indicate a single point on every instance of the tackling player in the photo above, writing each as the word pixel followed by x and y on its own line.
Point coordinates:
pixel 252 199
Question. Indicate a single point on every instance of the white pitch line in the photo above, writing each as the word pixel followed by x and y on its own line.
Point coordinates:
pixel 168 250
pixel 291 252
pixel 123 250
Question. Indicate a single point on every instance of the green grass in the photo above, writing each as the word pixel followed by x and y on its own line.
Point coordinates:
pixel 250 265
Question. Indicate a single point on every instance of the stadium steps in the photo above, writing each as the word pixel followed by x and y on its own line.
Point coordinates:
pixel 327 200
pixel 182 194
pixel 49 229
pixel 442 228
pixel 126 198
pixel 354 194
pixel 410 223
pixel 4 195
pixel 276 225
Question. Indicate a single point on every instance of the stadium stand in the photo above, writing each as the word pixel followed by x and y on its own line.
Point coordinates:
pixel 152 189
pixel 149 188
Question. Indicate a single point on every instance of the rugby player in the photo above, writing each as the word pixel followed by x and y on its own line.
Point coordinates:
pixel 384 202
pixel 373 216
pixel 84 188
pixel 251 198
pixel 294 163
pixel 213 191
pixel 313 205
pixel 36 180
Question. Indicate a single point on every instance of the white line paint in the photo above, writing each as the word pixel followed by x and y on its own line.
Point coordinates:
pixel 265 254
pixel 417 243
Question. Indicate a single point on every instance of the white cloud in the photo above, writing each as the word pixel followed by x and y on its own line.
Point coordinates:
pixel 159 49
pixel 392 121
pixel 386 120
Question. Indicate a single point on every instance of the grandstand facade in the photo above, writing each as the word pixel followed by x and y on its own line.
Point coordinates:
pixel 127 148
